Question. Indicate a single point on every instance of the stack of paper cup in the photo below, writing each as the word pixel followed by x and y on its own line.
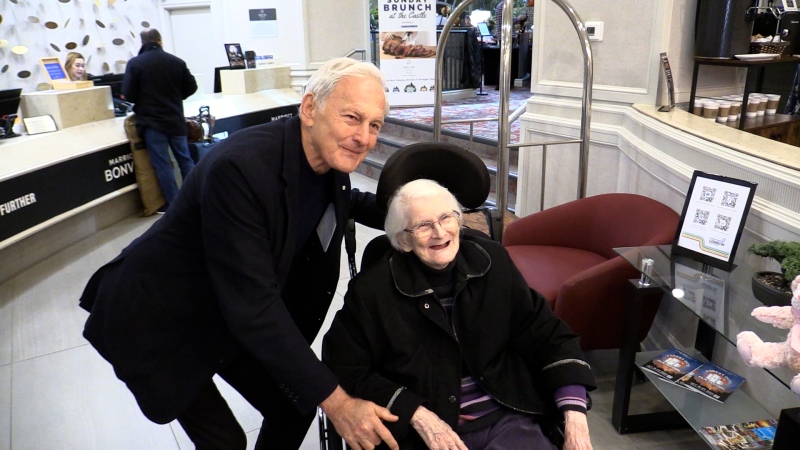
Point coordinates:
pixel 772 104
pixel 724 110
pixel 752 106
pixel 698 107
pixel 710 110
pixel 762 104
pixel 736 109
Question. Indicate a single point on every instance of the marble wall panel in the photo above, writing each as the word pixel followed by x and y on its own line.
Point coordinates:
pixel 105 32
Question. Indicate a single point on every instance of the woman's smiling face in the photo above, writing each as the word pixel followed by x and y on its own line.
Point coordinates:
pixel 439 248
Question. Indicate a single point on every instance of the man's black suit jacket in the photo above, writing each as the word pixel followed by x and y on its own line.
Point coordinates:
pixel 211 279
pixel 157 83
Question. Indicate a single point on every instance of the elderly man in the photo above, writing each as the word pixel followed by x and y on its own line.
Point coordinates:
pixel 237 277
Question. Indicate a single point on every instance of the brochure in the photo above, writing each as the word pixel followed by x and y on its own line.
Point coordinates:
pixel 672 365
pixel 712 381
pixel 740 436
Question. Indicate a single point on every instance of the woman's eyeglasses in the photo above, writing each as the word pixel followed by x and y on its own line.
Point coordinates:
pixel 425 229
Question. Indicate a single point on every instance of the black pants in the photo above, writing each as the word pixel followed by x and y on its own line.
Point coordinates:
pixel 210 423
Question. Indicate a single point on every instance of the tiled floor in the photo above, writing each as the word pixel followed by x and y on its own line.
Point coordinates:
pixel 57 393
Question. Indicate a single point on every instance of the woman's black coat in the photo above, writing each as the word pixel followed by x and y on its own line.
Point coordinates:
pixel 392 342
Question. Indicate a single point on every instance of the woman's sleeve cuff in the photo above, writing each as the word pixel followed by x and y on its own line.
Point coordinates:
pixel 571 398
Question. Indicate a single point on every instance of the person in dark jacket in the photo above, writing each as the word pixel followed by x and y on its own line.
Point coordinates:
pixel 237 277
pixel 157 83
pixel 444 332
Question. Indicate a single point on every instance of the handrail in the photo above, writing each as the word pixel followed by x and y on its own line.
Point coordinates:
pixel 511 119
pixel 358 50
pixel 517 114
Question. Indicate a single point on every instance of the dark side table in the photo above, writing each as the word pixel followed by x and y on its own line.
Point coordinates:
pixel 753 82
pixel 722 301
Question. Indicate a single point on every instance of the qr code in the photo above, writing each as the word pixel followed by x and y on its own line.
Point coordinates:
pixel 708 194
pixel 729 199
pixel 723 222
pixel 701 217
pixel 709 303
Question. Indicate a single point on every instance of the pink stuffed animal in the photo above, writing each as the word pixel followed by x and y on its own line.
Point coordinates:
pixel 770 355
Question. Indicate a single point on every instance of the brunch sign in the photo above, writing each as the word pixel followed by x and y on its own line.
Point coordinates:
pixel 402 9
pixel 408 50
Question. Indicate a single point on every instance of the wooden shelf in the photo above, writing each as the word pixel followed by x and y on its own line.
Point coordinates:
pixel 765 121
pixel 753 83
pixel 733 62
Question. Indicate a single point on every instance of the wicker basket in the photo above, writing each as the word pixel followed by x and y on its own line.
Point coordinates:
pixel 779 48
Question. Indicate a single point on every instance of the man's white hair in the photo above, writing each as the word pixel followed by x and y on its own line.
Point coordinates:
pixel 325 79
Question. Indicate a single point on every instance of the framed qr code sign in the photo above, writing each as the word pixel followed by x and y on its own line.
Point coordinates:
pixel 713 218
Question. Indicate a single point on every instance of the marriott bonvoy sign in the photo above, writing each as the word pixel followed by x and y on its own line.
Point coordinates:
pixel 34 198
pixel 408 50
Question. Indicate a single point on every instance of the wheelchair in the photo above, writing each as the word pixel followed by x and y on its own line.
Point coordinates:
pixel 466 176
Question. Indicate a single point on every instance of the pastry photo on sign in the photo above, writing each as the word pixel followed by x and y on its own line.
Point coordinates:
pixel 405 44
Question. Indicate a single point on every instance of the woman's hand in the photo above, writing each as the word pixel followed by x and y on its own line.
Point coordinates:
pixel 576 431
pixel 436 433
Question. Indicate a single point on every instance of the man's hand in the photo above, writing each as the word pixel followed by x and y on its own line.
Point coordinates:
pixel 359 421
pixel 435 432
pixel 576 431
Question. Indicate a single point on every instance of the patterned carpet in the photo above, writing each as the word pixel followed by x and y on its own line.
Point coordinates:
pixel 476 107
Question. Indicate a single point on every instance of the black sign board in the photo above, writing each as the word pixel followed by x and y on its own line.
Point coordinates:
pixel 36 197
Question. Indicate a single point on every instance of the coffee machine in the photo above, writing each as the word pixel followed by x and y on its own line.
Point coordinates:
pixel 790 31
pixel 722 28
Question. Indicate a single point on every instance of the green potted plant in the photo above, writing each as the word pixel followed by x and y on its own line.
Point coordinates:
pixel 773 288
pixel 373 19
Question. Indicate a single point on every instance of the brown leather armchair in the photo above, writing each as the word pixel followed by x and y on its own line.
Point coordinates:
pixel 566 254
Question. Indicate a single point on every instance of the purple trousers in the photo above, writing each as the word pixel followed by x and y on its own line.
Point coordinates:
pixel 513 431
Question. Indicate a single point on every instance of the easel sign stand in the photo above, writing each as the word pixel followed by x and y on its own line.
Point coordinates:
pixel 58 76
pixel 713 219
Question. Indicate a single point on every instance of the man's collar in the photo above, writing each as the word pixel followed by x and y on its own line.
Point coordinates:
pixel 149 46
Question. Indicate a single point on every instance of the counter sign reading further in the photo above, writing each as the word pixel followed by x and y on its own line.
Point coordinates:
pixel 17 204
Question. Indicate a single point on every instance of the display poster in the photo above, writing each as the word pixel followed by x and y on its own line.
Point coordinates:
pixel 235 56
pixel 263 22
pixel 408 50
pixel 713 218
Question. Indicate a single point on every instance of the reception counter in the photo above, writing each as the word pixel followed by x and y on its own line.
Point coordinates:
pixel 84 175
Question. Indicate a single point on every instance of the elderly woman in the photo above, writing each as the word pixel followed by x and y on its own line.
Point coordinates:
pixel 445 333
pixel 75 66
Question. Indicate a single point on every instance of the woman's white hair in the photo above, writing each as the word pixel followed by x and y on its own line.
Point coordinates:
pixel 401 205
pixel 325 79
